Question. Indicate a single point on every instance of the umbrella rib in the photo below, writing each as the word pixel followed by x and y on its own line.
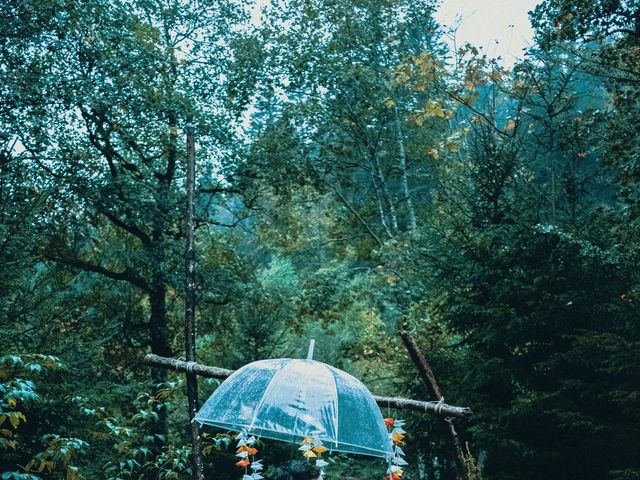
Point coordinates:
pixel 337 411
pixel 264 395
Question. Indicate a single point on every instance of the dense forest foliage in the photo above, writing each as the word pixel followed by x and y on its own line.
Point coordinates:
pixel 356 177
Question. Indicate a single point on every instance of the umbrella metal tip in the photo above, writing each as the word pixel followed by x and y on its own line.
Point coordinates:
pixel 312 345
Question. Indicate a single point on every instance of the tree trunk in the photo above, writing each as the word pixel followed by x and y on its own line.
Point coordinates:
pixel 429 379
pixel 383 216
pixel 158 322
pixel 553 169
pixel 159 344
pixel 382 181
pixel 190 312
pixel 157 253
pixel 380 185
pixel 403 171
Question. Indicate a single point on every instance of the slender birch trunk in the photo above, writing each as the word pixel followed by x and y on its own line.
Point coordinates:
pixel 403 171
pixel 382 187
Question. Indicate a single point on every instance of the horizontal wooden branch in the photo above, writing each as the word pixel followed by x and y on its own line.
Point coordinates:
pixel 183 366
pixel 389 402
pixel 439 408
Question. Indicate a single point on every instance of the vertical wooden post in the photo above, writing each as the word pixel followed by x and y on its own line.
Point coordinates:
pixel 429 380
pixel 190 309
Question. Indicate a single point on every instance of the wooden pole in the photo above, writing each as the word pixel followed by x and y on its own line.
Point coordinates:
pixel 429 380
pixel 197 472
pixel 438 408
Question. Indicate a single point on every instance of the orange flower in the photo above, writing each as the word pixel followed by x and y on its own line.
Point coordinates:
pixel 397 437
pixel 320 449
pixel 393 477
pixel 243 463
pixel 248 449
pixel 308 440
pixel 389 422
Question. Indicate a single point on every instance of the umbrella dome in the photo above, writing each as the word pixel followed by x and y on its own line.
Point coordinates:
pixel 291 399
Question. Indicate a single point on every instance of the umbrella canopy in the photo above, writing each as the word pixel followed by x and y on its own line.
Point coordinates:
pixel 290 399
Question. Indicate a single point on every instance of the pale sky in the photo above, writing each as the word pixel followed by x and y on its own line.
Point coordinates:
pixel 485 22
pixel 501 27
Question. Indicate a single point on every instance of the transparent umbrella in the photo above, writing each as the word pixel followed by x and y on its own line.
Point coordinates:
pixel 292 399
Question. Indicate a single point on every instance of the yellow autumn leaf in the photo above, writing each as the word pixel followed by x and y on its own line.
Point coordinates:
pixel 14 419
pixel 48 464
pixel 401 75
pixel 434 109
pixel 308 440
pixel 163 394
pixel 310 454
pixel 422 59
pixel 72 473
pixel 389 103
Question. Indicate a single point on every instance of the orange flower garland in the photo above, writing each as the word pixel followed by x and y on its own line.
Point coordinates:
pixel 397 461
pixel 246 452
pixel 313 448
